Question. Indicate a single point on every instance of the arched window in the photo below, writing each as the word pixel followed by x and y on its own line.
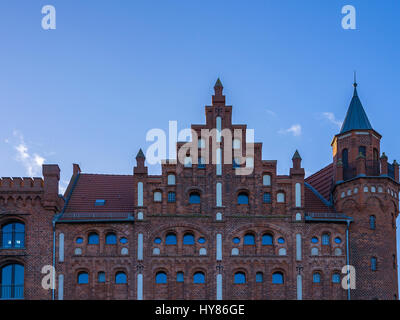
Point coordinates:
pixel 259 277
pixel 12 281
pixel 267 240
pixel 267 197
pixel 373 264
pixel 249 239
pixel 240 278
pixel 170 239
pixel 243 198
pixel 188 239
pixel 266 180
pixel 336 278
pixel 314 240
pixel 13 235
pixel 199 277
pixel 111 238
pixel 93 238
pixel 326 239
pixel 277 278
pixel 161 277
pixel 157 196
pixel 79 240
pixel 171 197
pixel 83 277
pixel 316 277
pixel 120 277
pixel 372 222
pixel 280 197
pixel 345 158
pixel 171 179
pixel 180 277
pixel 194 198
pixel 101 277
pixel 362 150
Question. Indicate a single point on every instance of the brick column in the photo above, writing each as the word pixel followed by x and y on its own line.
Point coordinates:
pixel 361 170
pixel 384 166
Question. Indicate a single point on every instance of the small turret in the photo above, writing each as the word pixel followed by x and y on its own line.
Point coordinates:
pixel 140 167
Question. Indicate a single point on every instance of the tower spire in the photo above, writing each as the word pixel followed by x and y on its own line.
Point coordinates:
pixel 356 118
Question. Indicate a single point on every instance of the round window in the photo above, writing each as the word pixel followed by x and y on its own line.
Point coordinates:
pixel 314 240
pixel 79 240
pixel 201 240
pixel 157 240
pixel 123 240
pixel 281 240
pixel 236 240
pixel 338 240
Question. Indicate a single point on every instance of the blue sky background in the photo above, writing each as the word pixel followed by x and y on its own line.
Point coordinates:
pixel 89 91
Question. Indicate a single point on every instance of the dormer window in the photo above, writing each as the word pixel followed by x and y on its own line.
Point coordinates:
pixel 100 202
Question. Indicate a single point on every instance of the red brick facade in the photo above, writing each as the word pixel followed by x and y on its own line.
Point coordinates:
pixel 285 228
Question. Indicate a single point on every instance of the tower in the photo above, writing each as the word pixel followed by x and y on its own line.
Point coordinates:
pixel 366 187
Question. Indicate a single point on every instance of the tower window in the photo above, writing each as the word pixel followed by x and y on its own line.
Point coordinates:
pixel 362 150
pixel 345 158
pixel 372 222
pixel 373 264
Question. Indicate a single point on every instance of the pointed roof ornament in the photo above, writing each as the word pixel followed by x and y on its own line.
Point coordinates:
pixel 296 155
pixel 356 118
pixel 218 84
pixel 140 154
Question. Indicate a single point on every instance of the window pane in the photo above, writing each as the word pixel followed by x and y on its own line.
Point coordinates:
pixel 316 278
pixel 198 277
pixel 277 278
pixel 243 198
pixel 188 239
pixel 120 278
pixel 267 197
pixel 179 277
pixel 111 238
pixel 240 278
pixel 280 197
pixel 161 278
pixel 336 278
pixel 101 277
pixel 325 239
pixel 259 277
pixel 194 198
pixel 157 196
pixel 93 238
pixel 83 278
pixel 267 240
pixel 170 239
pixel 171 197
pixel 249 239
pixel 171 179
pixel 266 180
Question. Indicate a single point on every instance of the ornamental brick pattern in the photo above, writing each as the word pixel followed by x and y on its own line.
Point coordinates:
pixel 307 220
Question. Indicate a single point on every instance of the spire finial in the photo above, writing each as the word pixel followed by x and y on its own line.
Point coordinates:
pixel 355 79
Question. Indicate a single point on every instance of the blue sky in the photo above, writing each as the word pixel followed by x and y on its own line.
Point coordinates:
pixel 89 91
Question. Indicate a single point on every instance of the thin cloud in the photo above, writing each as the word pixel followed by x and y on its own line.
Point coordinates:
pixel 31 162
pixel 331 117
pixel 294 129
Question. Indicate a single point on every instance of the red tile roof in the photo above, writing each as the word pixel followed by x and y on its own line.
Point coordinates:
pixel 116 190
pixel 322 181
pixel 314 204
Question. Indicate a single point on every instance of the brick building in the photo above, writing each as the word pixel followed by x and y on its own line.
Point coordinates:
pixel 200 230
